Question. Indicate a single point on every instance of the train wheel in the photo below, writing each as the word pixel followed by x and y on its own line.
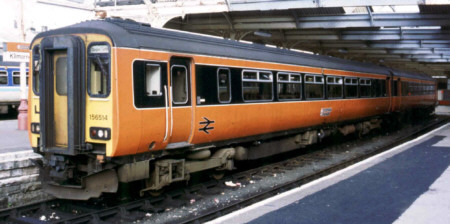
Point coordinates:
pixel 218 174
pixel 156 193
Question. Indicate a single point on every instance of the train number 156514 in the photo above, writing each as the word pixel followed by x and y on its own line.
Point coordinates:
pixel 98 117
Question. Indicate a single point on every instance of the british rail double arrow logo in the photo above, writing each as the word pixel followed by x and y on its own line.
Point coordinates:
pixel 205 128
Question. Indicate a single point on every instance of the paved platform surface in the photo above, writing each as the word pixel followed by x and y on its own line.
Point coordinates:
pixel 11 139
pixel 442 110
pixel 407 184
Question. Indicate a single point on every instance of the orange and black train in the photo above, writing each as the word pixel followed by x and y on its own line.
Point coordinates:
pixel 118 101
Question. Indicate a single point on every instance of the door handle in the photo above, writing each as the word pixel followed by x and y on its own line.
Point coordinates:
pixel 166 98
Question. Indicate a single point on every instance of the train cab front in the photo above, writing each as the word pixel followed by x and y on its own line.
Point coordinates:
pixel 70 116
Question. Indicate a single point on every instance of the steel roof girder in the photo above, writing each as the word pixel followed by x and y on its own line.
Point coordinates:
pixel 325 22
pixel 420 51
pixel 367 51
pixel 378 44
pixel 383 56
pixel 441 60
pixel 377 20
pixel 373 36
pixel 406 56
pixel 410 44
pixel 245 5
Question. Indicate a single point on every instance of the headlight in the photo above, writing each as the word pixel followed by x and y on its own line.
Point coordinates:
pixel 100 133
pixel 35 128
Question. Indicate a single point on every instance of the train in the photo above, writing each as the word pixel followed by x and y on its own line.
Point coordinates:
pixel 117 102
pixel 9 86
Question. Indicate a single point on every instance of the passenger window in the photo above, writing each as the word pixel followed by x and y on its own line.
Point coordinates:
pixel 257 85
pixel 314 86
pixel 383 88
pixel 395 88
pixel 179 84
pixel 61 76
pixel 153 80
pixel 16 78
pixel 351 87
pixel 374 87
pixel 404 88
pixel 3 78
pixel 334 87
pixel 224 85
pixel 365 87
pixel 148 80
pixel 99 72
pixel 289 86
pixel 380 87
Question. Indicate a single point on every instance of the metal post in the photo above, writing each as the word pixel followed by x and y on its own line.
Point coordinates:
pixel 23 108
pixel 22 118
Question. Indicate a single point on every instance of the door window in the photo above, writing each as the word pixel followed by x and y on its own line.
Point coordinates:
pixel 179 83
pixel 224 88
pixel 61 76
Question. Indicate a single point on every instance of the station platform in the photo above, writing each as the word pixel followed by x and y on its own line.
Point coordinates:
pixel 19 184
pixel 406 184
pixel 12 139
pixel 442 110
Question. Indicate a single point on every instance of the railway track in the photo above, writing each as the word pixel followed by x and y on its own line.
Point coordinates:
pixel 211 199
pixel 8 116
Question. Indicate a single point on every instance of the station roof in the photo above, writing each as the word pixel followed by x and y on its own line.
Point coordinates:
pixel 413 41
pixel 412 35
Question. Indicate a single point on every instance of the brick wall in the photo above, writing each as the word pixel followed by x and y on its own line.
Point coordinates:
pixel 19 183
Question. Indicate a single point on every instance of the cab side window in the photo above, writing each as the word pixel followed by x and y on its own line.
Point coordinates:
pixel 36 69
pixel 98 70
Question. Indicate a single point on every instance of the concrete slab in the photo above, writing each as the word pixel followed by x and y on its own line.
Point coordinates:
pixel 442 110
pixel 431 207
pixel 378 190
pixel 11 139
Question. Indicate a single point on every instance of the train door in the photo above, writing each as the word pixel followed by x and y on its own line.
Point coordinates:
pixel 395 94
pixel 180 101
pixel 62 92
pixel 400 95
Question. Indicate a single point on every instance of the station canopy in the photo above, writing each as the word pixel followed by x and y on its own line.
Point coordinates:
pixel 412 35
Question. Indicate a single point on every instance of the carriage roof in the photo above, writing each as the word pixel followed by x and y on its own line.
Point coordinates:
pixel 130 34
